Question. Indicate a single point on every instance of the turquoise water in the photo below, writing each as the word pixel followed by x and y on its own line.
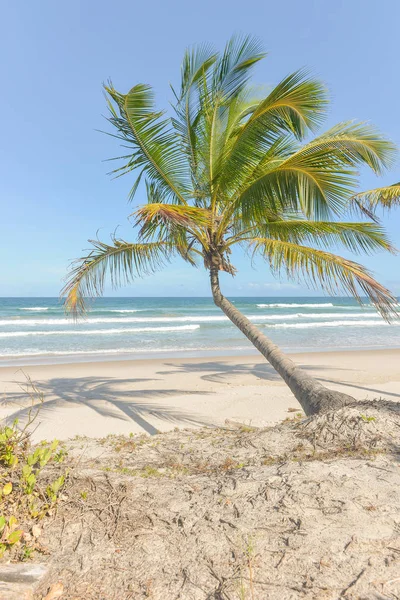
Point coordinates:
pixel 35 330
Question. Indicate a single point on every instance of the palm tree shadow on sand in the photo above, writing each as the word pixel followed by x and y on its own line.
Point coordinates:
pixel 222 372
pixel 361 387
pixel 107 397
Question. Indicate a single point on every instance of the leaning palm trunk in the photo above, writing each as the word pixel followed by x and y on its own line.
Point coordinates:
pixel 229 171
pixel 313 396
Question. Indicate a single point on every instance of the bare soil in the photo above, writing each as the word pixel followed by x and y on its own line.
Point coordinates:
pixel 307 509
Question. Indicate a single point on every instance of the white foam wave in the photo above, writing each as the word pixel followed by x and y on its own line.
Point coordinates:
pixel 105 320
pixel 99 331
pixel 325 305
pixel 35 308
pixel 364 323
pixel 130 310
pixel 187 319
pixel 106 351
pixel 318 316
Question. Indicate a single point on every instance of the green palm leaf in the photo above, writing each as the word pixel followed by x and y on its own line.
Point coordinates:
pixel 155 145
pixel 230 75
pixel 357 143
pixel 320 177
pixel 156 218
pixel 329 271
pixel 233 67
pixel 385 197
pixel 295 106
pixel 122 261
pixel 356 237
pixel 196 64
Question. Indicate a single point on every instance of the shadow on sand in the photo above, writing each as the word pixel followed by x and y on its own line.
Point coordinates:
pixel 116 398
pixel 121 399
pixel 222 372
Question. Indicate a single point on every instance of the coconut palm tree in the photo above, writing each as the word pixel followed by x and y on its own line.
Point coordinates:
pixel 229 169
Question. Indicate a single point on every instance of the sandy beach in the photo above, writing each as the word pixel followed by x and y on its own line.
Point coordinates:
pixel 101 398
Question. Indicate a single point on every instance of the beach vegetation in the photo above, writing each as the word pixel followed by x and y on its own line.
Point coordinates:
pixel 240 505
pixel 28 491
pixel 237 168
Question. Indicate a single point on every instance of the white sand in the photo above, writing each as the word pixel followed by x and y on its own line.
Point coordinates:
pixel 96 399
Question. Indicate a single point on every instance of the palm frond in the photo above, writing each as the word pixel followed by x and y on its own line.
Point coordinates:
pixel 155 145
pixel 152 218
pixel 233 68
pixel 367 203
pixel 309 183
pixel 230 74
pixel 295 106
pixel 196 65
pixel 319 177
pixel 355 144
pixel 356 237
pixel 122 261
pixel 334 274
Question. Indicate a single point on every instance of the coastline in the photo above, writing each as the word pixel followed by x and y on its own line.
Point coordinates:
pixel 149 395
pixel 26 361
pixel 37 331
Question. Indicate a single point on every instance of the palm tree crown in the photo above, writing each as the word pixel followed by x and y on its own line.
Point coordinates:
pixel 231 167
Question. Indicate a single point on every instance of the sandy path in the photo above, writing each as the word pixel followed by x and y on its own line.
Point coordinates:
pixel 96 399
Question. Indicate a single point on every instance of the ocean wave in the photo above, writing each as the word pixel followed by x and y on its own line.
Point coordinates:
pixel 106 351
pixel 330 324
pixel 105 320
pixel 99 331
pixel 187 319
pixel 319 316
pixel 117 310
pixel 365 307
pixel 325 305
pixel 35 308
pixel 127 310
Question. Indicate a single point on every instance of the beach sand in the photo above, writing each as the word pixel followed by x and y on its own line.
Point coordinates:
pixel 100 398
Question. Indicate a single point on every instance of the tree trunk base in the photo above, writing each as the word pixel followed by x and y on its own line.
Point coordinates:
pixel 370 426
pixel 323 400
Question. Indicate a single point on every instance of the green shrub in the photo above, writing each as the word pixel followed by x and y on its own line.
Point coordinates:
pixel 26 471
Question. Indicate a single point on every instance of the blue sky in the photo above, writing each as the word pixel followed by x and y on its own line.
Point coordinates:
pixel 54 188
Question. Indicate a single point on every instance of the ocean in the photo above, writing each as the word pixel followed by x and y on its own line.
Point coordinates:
pixel 36 330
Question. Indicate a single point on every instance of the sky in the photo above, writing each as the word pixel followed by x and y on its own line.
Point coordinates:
pixel 55 193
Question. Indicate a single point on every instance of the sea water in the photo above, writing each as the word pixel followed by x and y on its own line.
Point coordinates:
pixel 36 330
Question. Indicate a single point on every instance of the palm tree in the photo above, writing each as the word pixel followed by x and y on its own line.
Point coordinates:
pixel 229 169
